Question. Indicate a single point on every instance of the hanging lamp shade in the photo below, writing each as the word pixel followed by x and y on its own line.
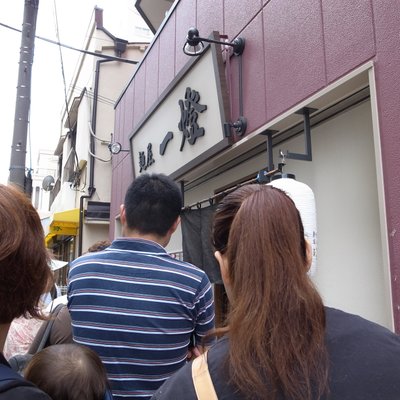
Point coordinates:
pixel 304 199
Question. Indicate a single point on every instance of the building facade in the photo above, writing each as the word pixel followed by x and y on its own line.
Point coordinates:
pixel 331 66
pixel 80 196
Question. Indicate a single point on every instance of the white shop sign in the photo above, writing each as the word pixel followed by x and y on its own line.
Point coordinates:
pixel 186 126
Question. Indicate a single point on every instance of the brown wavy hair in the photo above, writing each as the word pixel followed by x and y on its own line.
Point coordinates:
pixel 276 320
pixel 100 245
pixel 24 271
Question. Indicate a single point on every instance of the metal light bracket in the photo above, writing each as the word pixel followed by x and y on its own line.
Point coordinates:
pixel 239 126
pixel 194 46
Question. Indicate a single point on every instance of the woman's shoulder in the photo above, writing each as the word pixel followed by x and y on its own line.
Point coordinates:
pixel 364 358
pixel 343 325
pixel 367 339
pixel 180 385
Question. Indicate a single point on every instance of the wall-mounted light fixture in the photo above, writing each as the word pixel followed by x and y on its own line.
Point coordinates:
pixel 116 148
pixel 194 45
pixel 239 126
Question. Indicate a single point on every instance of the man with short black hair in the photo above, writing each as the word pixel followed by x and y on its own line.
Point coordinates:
pixel 133 303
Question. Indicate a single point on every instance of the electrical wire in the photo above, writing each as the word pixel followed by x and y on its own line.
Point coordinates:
pixel 101 140
pixel 99 158
pixel 102 99
pixel 90 94
pixel 63 74
pixel 91 53
pixel 97 138
pixel 62 65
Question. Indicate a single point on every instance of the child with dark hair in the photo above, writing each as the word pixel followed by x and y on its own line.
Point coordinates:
pixel 69 372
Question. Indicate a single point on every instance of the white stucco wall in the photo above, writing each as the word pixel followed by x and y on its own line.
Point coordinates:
pixel 350 265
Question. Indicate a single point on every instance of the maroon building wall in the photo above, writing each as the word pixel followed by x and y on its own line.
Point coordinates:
pixel 387 61
pixel 293 49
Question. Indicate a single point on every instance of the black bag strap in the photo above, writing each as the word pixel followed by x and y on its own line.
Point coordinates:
pixel 44 331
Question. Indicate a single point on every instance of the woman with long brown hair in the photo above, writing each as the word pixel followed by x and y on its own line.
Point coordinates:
pixel 280 341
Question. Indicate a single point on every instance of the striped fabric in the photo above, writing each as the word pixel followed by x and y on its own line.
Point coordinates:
pixel 138 307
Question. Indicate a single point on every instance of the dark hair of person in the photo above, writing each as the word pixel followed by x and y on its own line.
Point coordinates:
pixel 68 372
pixel 99 246
pixel 152 204
pixel 24 261
pixel 276 320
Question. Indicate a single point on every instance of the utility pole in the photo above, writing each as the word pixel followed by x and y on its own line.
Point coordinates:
pixel 23 101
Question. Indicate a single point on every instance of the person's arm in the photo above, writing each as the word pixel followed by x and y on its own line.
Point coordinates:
pixel 194 351
pixel 204 324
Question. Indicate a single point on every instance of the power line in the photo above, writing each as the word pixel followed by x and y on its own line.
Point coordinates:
pixel 63 73
pixel 62 64
pixel 102 99
pixel 91 53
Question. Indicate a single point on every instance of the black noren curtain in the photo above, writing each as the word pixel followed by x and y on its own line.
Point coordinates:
pixel 196 239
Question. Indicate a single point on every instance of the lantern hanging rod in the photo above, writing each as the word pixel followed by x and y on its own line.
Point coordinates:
pixel 307 156
pixel 211 200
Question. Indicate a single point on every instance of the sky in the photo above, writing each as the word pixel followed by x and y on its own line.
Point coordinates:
pixel 47 91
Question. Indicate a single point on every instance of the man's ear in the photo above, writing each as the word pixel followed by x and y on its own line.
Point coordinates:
pixel 308 254
pixel 223 265
pixel 175 225
pixel 122 214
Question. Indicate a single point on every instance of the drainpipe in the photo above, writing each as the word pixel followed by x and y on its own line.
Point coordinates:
pixel 91 191
pixel 91 188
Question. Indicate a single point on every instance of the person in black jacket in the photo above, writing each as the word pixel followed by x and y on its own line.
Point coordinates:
pixel 280 341
pixel 24 277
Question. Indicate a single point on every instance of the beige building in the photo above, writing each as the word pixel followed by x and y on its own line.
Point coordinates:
pixel 80 195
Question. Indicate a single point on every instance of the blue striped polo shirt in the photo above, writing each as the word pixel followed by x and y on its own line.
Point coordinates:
pixel 138 307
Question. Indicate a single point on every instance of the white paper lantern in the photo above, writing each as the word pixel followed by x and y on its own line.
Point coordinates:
pixel 304 199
